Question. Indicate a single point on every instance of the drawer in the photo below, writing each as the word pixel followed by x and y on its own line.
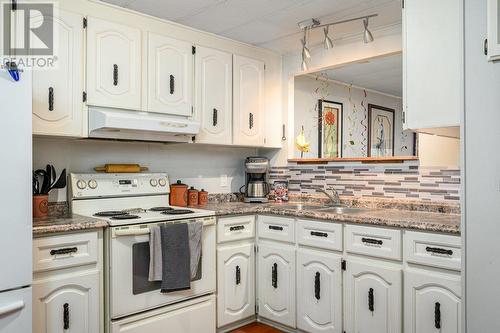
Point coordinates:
pixel 235 228
pixel 324 235
pixel 374 242
pixel 277 228
pixel 56 252
pixel 442 251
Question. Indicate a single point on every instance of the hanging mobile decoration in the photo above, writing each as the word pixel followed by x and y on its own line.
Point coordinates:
pixel 352 122
pixel 301 144
pixel 364 139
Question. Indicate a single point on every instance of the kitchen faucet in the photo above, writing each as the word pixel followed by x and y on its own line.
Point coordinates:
pixel 333 196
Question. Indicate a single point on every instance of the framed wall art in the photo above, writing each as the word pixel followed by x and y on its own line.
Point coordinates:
pixel 380 131
pixel 329 129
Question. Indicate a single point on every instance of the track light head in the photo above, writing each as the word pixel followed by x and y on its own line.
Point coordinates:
pixel 367 35
pixel 328 41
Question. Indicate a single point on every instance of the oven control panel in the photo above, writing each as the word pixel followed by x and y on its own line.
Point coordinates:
pixel 92 185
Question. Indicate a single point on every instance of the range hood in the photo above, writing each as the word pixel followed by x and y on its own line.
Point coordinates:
pixel 137 125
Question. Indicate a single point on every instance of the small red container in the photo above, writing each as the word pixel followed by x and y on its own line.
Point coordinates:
pixel 192 197
pixel 202 197
pixel 40 205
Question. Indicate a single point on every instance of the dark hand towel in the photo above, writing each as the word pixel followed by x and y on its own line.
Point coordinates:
pixel 176 257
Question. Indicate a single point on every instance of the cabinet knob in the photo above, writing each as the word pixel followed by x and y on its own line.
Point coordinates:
pixel 317 286
pixel 51 99
pixel 66 316
pixel 115 74
pixel 238 275
pixel 274 276
pixel 214 117
pixel 172 84
pixel 437 315
pixel 371 300
pixel 250 120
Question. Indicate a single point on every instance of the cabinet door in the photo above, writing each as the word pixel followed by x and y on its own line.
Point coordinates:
pixel 248 104
pixel 432 303
pixel 235 283
pixel 276 270
pixel 67 305
pixel 319 296
pixel 372 296
pixel 433 75
pixel 57 93
pixel 113 65
pixel 170 75
pixel 214 95
pixel 493 30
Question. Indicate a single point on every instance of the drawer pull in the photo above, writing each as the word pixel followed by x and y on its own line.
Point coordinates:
pixel 372 241
pixel 237 227
pixel 317 286
pixel 319 234
pixel 274 276
pixel 238 275
pixel 437 315
pixel 370 300
pixel 439 250
pixel 275 227
pixel 66 316
pixel 65 250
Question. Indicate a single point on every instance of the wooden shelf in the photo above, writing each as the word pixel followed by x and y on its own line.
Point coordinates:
pixel 366 160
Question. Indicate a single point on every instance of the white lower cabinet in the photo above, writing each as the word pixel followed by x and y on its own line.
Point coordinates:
pixel 319 292
pixel 432 302
pixel 276 271
pixel 68 304
pixel 235 283
pixel 372 298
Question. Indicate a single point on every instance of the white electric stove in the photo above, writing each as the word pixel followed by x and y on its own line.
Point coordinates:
pixel 123 199
pixel 131 203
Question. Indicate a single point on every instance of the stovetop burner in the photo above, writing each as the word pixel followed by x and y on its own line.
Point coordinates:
pixel 161 209
pixel 110 213
pixel 177 212
pixel 125 217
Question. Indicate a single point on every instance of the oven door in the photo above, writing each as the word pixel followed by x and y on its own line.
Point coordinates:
pixel 128 286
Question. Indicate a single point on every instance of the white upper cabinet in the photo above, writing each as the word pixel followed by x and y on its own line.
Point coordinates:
pixel 372 298
pixel 113 65
pixel 432 302
pixel 493 30
pixel 432 64
pixel 213 88
pixel 319 292
pixel 235 283
pixel 170 75
pixel 58 107
pixel 276 285
pixel 248 101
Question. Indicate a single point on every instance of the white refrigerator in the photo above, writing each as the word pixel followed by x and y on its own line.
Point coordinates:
pixel 15 203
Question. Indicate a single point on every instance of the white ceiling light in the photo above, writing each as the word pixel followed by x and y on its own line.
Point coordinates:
pixel 328 41
pixel 367 35
pixel 310 24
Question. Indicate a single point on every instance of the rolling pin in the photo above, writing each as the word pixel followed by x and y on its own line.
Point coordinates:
pixel 121 168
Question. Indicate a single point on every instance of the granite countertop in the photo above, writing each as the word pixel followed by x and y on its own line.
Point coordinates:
pixel 399 218
pixel 65 222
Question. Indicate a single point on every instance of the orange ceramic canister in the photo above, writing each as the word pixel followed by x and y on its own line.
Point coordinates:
pixel 40 205
pixel 179 194
pixel 202 197
pixel 192 197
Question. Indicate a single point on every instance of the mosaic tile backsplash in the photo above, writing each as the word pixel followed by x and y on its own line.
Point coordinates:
pixel 407 180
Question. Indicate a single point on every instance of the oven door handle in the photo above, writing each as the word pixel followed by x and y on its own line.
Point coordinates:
pixel 131 232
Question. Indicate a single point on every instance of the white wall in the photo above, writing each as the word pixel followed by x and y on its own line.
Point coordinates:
pixel 481 215
pixel 439 151
pixel 306 114
pixel 196 165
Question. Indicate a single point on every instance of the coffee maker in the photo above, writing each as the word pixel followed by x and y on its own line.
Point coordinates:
pixel 256 177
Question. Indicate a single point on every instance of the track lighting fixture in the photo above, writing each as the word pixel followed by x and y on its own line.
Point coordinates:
pixel 327 41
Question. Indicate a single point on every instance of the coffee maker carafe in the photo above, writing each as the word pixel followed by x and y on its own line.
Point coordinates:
pixel 256 174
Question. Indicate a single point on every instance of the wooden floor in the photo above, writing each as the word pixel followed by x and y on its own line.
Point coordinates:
pixel 256 328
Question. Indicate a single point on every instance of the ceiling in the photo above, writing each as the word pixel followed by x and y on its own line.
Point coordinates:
pixel 268 23
pixel 383 74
